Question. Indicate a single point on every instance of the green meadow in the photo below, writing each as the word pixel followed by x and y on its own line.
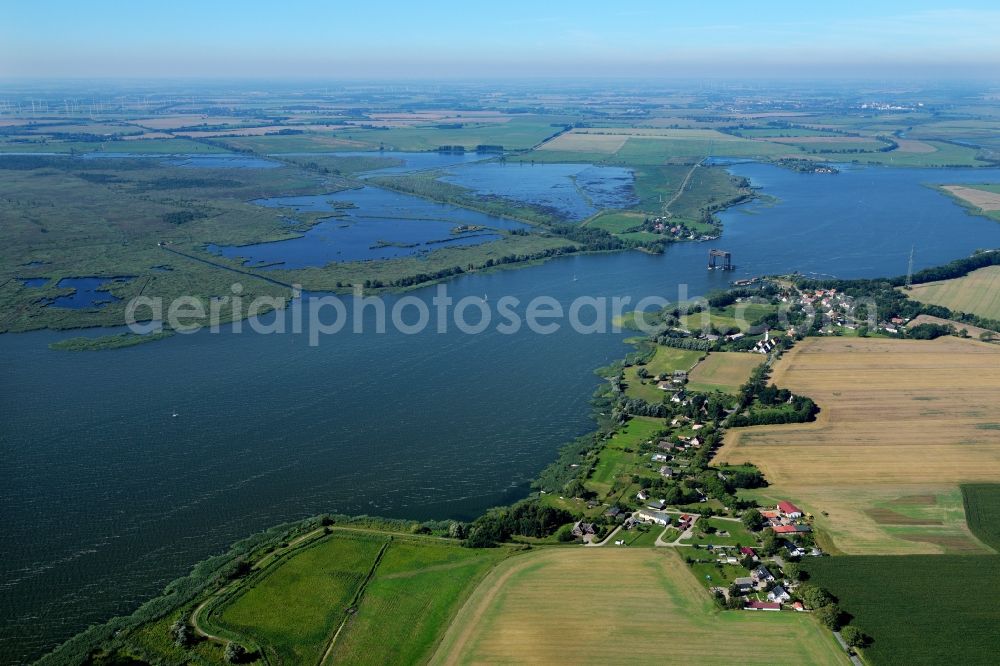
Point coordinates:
pixel 293 609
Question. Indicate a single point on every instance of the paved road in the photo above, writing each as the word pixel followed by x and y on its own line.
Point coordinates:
pixel 686 534
pixel 854 658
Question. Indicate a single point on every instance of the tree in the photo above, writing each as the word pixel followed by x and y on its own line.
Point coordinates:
pixel 181 632
pixel 829 615
pixel 814 596
pixel 752 520
pixel 770 543
pixel 235 653
pixel 793 571
pixel 456 530
pixel 854 636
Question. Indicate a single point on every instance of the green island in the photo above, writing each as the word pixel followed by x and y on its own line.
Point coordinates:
pixel 697 496
pixel 114 341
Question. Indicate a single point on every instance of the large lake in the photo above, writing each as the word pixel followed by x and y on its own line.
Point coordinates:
pixel 104 496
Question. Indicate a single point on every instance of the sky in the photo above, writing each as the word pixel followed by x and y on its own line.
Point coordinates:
pixel 425 40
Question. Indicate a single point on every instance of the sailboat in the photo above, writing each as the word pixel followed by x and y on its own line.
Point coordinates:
pixel 574 277
pixel 485 298
pixel 175 414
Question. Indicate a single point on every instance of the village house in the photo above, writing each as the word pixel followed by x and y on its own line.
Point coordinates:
pixel 613 512
pixel 778 594
pixel 791 529
pixel 761 575
pixel 765 345
pixel 744 584
pixel 657 505
pixel 666 472
pixel 582 529
pixel 658 457
pixel 642 496
pixel 749 552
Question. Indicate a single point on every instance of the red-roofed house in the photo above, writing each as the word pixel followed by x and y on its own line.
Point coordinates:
pixel 791 529
pixel 763 606
pixel 745 550
pixel 789 509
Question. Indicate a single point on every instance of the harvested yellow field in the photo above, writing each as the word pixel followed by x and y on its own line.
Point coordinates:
pixel 914 146
pixel 976 293
pixel 615 605
pixel 657 133
pixel 242 131
pixel 147 135
pixel 609 140
pixel 979 198
pixel 819 139
pixel 605 144
pixel 723 371
pixel 190 120
pixel 899 418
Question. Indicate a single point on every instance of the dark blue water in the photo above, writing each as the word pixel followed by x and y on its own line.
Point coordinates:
pixel 383 225
pixel 574 191
pixel 411 161
pixel 34 282
pixel 859 222
pixel 88 292
pixel 104 496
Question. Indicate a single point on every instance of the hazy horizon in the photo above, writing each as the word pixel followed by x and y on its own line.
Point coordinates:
pixel 313 40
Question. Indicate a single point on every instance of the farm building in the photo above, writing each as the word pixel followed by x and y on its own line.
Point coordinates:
pixel 658 517
pixel 763 606
pixel 790 510
pixel 791 529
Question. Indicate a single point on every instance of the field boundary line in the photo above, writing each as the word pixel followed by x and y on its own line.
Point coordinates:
pixel 352 609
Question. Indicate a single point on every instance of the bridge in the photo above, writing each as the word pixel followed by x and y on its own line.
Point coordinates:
pixel 725 255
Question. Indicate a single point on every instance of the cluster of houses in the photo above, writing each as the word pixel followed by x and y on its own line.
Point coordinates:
pixel 761 581
pixel 664 225
pixel 677 379
pixel 837 310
